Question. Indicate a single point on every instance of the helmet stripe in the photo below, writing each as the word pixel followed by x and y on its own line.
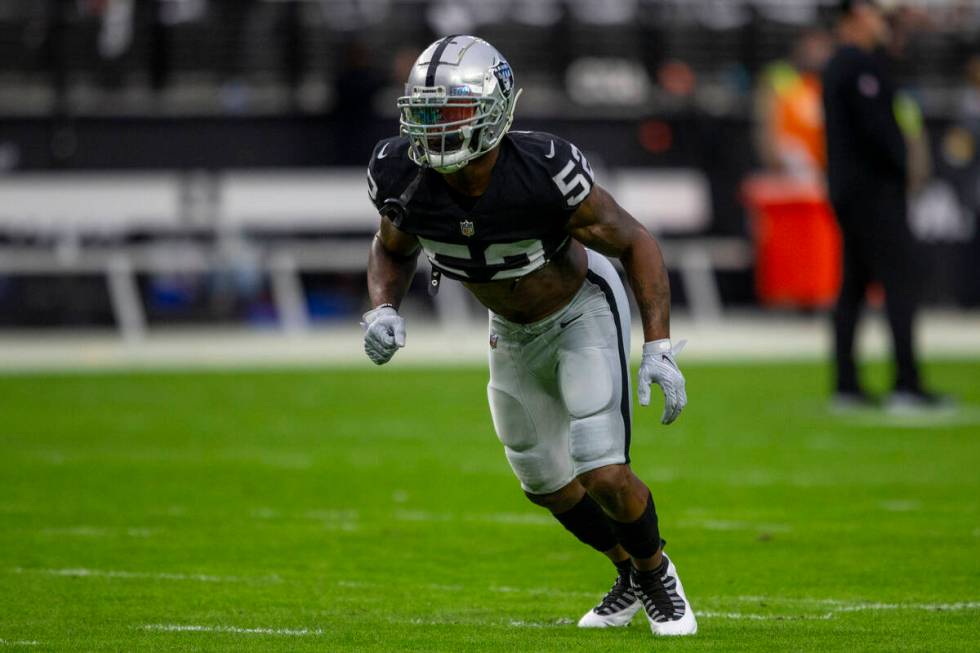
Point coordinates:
pixel 430 75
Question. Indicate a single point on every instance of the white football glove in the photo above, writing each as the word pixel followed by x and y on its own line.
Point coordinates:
pixel 384 333
pixel 658 366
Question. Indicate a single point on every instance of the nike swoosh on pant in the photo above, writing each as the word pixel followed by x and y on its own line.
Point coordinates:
pixel 565 324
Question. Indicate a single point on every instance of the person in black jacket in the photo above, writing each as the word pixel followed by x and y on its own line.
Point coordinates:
pixel 867 172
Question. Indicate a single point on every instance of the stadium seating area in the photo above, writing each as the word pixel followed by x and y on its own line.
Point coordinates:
pixel 273 56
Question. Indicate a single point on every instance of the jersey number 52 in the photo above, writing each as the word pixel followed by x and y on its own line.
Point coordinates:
pixel 575 179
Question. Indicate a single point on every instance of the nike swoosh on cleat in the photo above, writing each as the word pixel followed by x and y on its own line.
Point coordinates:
pixel 551 153
pixel 566 323
pixel 384 151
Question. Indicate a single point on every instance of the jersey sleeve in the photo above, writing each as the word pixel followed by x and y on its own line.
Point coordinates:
pixel 376 171
pixel 570 173
pixel 390 170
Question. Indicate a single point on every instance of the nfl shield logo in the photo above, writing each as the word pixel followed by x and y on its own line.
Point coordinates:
pixel 466 226
pixel 493 341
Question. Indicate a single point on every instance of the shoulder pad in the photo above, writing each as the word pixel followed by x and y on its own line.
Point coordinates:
pixel 389 169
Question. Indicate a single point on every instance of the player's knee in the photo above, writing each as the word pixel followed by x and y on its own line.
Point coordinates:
pixel 608 485
pixel 560 500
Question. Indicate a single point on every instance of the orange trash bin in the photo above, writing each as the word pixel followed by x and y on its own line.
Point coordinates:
pixel 797 242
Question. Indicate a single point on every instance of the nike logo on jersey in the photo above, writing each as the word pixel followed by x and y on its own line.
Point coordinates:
pixel 551 153
pixel 384 151
pixel 567 322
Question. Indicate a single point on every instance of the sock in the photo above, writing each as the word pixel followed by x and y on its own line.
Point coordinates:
pixel 624 566
pixel 651 573
pixel 587 521
pixel 640 538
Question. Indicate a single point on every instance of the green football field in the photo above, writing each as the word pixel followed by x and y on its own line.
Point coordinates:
pixel 372 510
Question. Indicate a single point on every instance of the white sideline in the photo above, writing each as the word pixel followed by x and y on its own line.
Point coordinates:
pixel 192 628
pixel 81 572
pixel 738 337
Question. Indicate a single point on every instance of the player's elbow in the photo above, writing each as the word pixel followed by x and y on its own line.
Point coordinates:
pixel 640 245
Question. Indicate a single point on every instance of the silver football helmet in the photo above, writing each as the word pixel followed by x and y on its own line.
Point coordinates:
pixel 459 102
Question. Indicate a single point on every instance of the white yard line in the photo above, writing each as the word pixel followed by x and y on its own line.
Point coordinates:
pixel 731 525
pixel 518 518
pixel 923 607
pixel 97 531
pixel 845 604
pixel 349 520
pixel 912 419
pixel 544 591
pixel 824 608
pixel 901 505
pixel 825 614
pixel 834 608
pixel 497 589
pixel 711 614
pixel 79 572
pixel 19 642
pixel 825 604
pixel 234 630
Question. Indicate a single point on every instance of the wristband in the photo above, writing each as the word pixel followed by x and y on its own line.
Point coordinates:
pixel 657 346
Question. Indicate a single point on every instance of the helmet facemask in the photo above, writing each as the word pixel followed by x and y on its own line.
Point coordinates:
pixel 448 128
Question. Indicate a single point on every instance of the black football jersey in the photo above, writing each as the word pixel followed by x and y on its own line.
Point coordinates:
pixel 513 229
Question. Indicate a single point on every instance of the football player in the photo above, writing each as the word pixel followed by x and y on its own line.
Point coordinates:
pixel 518 219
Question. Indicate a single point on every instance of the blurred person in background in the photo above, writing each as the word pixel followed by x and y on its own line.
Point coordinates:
pixel 868 174
pixel 790 126
pixel 357 83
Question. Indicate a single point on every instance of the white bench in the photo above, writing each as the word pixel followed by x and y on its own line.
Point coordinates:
pixel 59 203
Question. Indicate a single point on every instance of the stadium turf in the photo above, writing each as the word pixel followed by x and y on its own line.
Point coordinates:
pixel 372 510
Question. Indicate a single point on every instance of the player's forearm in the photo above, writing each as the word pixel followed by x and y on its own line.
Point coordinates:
pixel 389 275
pixel 647 276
